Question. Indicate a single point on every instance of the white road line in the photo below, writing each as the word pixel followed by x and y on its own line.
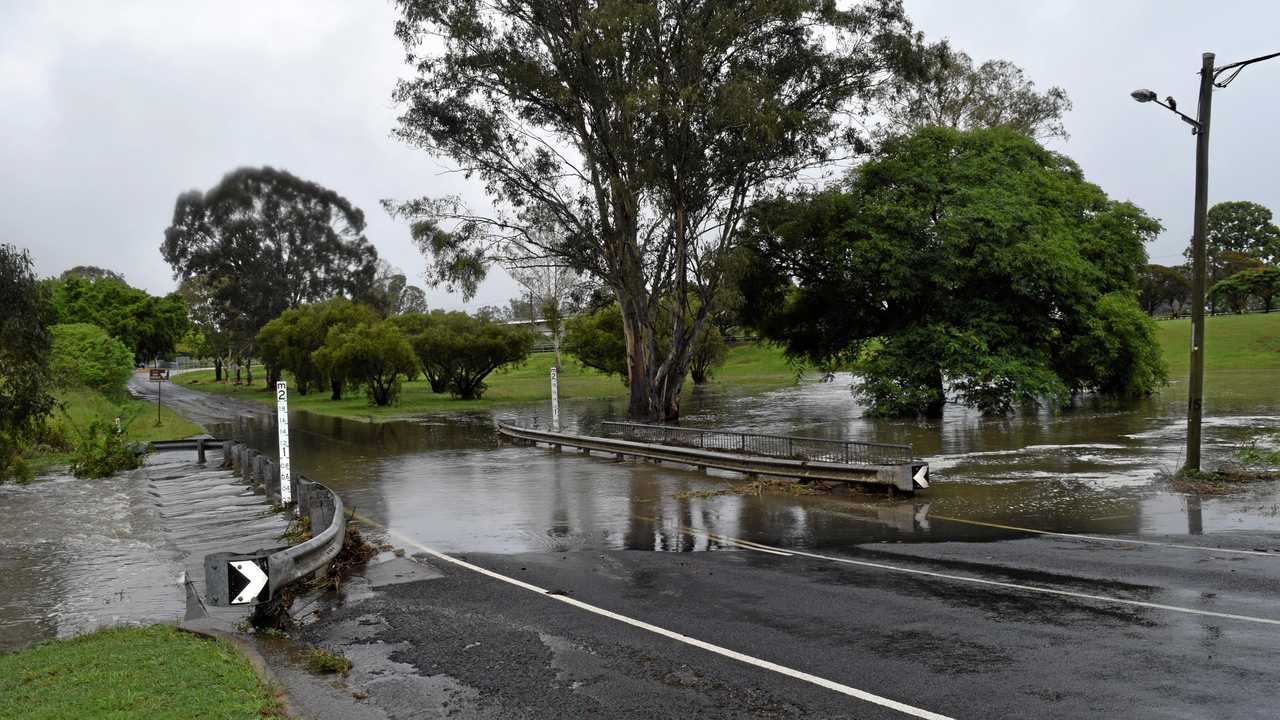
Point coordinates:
pixel 1028 588
pixel 1104 538
pixel 725 652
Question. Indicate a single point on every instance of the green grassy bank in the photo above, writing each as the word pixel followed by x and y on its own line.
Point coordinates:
pixel 151 673
pixel 78 407
pixel 747 365
pixel 1232 342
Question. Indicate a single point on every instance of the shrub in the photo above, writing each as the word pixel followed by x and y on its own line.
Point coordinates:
pixel 103 449
pixel 460 350
pixel 86 356
pixel 372 355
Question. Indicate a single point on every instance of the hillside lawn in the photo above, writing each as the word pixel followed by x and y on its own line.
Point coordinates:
pixel 1234 342
pixel 78 407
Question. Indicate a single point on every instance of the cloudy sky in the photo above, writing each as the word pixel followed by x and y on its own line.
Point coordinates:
pixel 109 110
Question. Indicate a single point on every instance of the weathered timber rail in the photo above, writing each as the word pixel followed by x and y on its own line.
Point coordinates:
pixel 847 452
pixel 905 477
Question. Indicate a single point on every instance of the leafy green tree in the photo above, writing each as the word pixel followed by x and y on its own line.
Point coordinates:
pixel 92 273
pixel 149 326
pixel 597 341
pixel 1159 285
pixel 371 355
pixel 1236 290
pixel 943 88
pixel 289 342
pixel 263 241
pixel 976 264
pixel 391 294
pixel 25 343
pixel 85 355
pixel 1235 232
pixel 640 131
pixel 460 351
pixel 413 326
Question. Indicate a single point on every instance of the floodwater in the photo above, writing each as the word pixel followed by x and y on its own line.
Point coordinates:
pixel 79 554
pixel 449 482
pixel 76 554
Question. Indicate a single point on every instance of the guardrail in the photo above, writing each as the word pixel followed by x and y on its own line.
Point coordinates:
pixel 849 452
pixel 282 566
pixel 907 477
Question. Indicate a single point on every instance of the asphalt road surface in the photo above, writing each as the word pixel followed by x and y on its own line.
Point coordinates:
pixel 1045 626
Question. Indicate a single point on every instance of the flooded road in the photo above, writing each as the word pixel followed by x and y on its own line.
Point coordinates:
pixel 1097 468
pixel 77 554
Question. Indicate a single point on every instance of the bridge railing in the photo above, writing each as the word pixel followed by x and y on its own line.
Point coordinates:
pixel 849 452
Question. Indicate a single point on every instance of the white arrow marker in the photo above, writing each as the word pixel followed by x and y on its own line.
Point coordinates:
pixel 257 581
pixel 922 476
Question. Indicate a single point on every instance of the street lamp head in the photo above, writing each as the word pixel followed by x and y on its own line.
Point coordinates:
pixel 1143 95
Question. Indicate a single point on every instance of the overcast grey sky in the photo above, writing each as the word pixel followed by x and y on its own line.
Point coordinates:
pixel 108 110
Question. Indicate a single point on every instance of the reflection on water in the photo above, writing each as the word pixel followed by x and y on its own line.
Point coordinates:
pixel 77 554
pixel 447 481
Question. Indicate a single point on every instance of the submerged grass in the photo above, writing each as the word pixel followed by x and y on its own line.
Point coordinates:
pixel 148 673
pixel 758 486
pixel 322 662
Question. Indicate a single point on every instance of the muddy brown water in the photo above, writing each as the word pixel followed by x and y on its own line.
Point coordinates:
pixel 76 554
pixel 448 482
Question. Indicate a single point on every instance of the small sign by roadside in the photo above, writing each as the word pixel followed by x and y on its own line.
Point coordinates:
pixel 159 374
pixel 237 578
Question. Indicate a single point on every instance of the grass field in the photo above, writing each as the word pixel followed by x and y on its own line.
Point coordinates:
pixel 151 673
pixel 1232 342
pixel 746 366
pixel 77 408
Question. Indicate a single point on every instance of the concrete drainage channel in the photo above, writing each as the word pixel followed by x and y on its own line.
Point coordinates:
pixel 258 578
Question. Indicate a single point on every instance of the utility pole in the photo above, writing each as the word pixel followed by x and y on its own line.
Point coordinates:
pixel 1195 387
pixel 1200 128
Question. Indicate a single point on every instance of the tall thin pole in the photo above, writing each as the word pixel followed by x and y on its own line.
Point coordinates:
pixel 1195 392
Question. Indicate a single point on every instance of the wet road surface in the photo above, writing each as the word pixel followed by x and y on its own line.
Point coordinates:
pixel 946 603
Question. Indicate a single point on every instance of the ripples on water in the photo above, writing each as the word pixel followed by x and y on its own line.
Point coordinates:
pixel 447 481
pixel 77 554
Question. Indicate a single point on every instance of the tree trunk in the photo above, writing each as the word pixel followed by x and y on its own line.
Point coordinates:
pixel 237 374
pixel 217 369
pixel 248 369
pixel 933 409
pixel 273 377
pixel 336 387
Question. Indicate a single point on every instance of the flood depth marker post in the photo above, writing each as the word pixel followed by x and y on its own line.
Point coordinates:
pixel 555 400
pixel 282 422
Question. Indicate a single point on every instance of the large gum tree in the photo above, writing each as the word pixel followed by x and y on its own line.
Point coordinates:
pixel 641 131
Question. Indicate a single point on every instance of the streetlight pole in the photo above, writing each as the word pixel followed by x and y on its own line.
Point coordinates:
pixel 1195 387
pixel 1200 128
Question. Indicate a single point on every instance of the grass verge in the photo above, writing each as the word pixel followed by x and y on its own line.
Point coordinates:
pixel 748 365
pixel 151 673
pixel 80 406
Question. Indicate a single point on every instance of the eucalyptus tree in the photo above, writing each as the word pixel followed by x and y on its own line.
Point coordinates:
pixel 262 241
pixel 943 88
pixel 642 130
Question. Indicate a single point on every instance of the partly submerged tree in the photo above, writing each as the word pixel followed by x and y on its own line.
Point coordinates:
pixel 263 241
pixel 943 88
pixel 972 264
pixel 374 356
pixel 457 351
pixel 25 343
pixel 641 130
